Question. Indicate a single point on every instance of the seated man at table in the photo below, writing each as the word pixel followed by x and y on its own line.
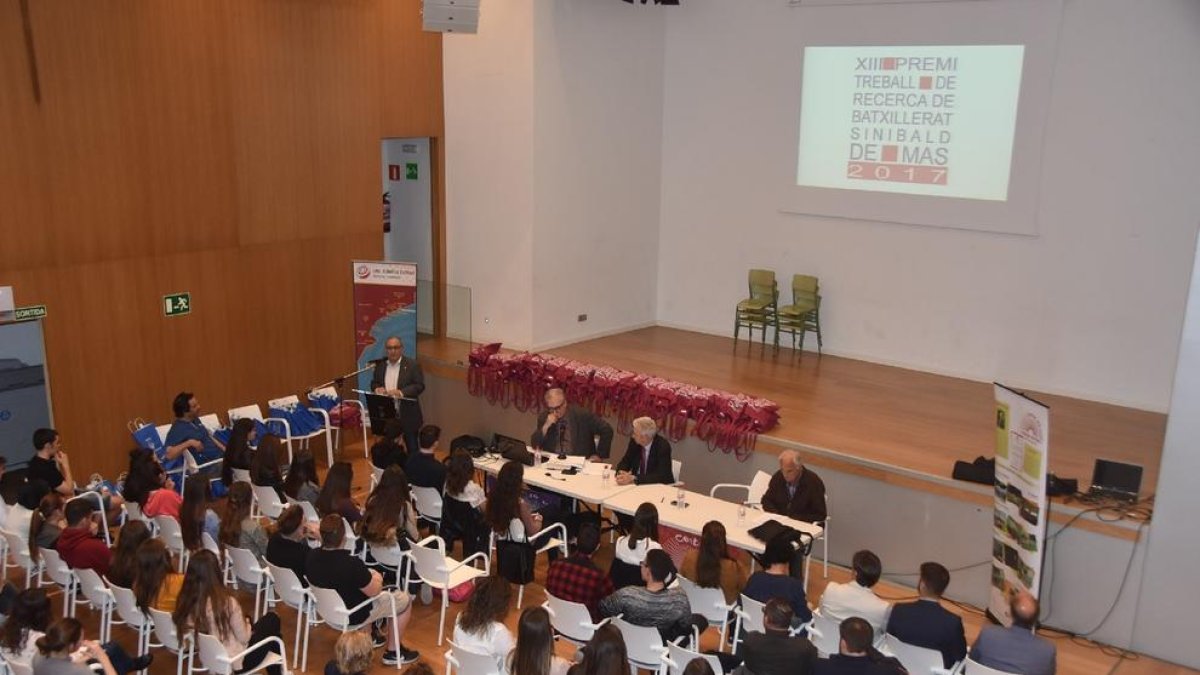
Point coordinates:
pixel 571 430
pixel 648 457
pixel 794 491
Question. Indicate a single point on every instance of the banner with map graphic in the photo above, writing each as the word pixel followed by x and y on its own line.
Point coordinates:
pixel 385 304
pixel 1019 521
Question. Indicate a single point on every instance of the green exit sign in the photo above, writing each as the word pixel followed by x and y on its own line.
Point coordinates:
pixel 177 304
pixel 410 171
pixel 29 313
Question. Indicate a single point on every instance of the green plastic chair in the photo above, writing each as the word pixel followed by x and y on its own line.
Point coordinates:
pixel 804 314
pixel 759 310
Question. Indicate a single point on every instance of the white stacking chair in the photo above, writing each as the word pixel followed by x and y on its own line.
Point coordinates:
pixel 217 660
pixel 172 535
pixel 248 570
pixel 240 475
pixel 96 592
pixel 133 511
pixel 269 503
pixel 331 393
pixel 916 660
pixel 571 620
pixel 970 667
pixel 432 566
pixel 643 644
pixel 310 511
pixel 179 475
pixel 548 542
pixel 19 667
pixel 99 500
pixel 466 662
pixel 351 541
pixel 389 557
pixel 58 571
pixel 824 634
pixel 133 616
pixel 429 504
pixel 167 634
pixel 253 412
pixel 709 603
pixel 285 402
pixel 749 618
pixel 753 492
pixel 678 657
pixel 677 471
pixel 333 612
pixel 376 476
pixel 210 544
pixel 289 590
pixel 18 549
pixel 824 543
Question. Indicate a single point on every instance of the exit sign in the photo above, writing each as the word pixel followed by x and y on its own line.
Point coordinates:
pixel 177 304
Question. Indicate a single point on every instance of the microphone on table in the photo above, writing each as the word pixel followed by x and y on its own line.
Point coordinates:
pixel 562 427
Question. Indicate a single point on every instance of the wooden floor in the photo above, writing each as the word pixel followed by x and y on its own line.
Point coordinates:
pixel 1073 658
pixel 903 418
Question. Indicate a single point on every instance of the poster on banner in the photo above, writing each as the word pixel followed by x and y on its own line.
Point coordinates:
pixel 385 304
pixel 1019 520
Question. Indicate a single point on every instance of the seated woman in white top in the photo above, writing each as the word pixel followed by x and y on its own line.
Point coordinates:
pixel 30 615
pixel 459 485
pixel 509 515
pixel 480 627
pixel 642 537
pixel 534 654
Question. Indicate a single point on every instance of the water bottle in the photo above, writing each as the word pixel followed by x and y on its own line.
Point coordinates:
pixel 741 516
pixel 604 477
pixel 679 498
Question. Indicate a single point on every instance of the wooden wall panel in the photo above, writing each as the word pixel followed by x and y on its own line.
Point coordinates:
pixel 229 149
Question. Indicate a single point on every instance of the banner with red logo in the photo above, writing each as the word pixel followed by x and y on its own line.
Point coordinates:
pixel 385 305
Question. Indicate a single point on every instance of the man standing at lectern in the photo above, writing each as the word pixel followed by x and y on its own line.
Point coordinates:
pixel 401 378
pixel 571 430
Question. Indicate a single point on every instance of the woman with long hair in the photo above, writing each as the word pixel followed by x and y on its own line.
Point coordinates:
pixel 508 514
pixel 156 584
pixel 266 465
pixel 480 627
pixel 207 606
pixel 462 506
pixel 388 509
pixel 335 495
pixel 47 523
pixel 56 651
pixel 123 568
pixel 195 517
pixel 27 621
pixel 631 549
pixel 534 653
pixel 145 475
pixel 388 451
pixel 237 451
pixel 460 472
pixel 711 566
pixel 238 529
pixel 302 483
pixel 604 654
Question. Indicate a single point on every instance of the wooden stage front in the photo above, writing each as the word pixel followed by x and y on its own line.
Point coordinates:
pixel 911 421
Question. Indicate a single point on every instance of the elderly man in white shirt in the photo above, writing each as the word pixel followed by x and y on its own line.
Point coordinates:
pixel 855 598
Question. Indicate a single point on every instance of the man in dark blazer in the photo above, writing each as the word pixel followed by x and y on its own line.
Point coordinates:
pixel 648 457
pixel 401 378
pixel 794 491
pixel 856 655
pixel 925 623
pixel 775 651
pixel 571 430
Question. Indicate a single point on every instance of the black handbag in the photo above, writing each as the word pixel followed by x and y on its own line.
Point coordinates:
pixel 514 561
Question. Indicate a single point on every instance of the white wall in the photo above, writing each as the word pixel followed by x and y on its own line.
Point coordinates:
pixel 411 238
pixel 1091 307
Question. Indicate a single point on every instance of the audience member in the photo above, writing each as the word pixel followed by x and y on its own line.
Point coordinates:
pixel 925 623
pixel 164 500
pixel 1018 648
pixel 288 547
pixel 238 528
pixel 78 544
pixel 855 654
pixel 604 654
pixel 47 524
pixel 480 627
pixel 855 598
pixel 145 475
pixel 576 578
pixel 187 432
pixel 302 483
pixel 508 513
pixel 28 620
pixel 123 567
pixel 335 494
pixel 775 651
pixel 265 465
pixel 156 584
pixel 571 430
pixel 333 567
pixel 423 468
pixel 418 668
pixel 388 509
pixel 50 464
pixel 460 485
pixel 462 506
pixel 206 605
pixel 711 566
pixel 655 603
pixel 61 650
pixel 351 655
pixel 698 666
pixel 534 653
pixel 387 451
pixel 648 457
pixel 773 580
pixel 195 516
pixel 631 549
pixel 238 451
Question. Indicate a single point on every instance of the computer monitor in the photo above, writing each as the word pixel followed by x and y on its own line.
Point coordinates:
pixel 1117 479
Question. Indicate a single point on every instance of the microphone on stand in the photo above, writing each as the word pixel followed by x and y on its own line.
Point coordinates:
pixel 562 427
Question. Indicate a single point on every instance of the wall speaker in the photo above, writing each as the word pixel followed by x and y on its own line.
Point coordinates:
pixel 450 16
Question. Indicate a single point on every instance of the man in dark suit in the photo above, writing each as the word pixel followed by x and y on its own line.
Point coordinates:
pixel 794 491
pixel 925 623
pixel 1016 649
pixel 423 467
pixel 401 378
pixel 856 655
pixel 776 652
pixel 571 430
pixel 648 457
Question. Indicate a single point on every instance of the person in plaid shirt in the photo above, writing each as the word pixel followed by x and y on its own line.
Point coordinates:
pixel 577 578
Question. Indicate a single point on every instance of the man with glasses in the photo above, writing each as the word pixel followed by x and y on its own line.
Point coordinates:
pixel 401 378
pixel 571 430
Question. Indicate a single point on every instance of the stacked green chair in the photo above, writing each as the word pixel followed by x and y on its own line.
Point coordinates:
pixel 804 314
pixel 759 310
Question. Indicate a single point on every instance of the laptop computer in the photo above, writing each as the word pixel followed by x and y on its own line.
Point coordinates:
pixel 1116 480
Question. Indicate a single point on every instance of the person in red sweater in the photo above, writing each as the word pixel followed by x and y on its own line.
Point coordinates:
pixel 78 544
